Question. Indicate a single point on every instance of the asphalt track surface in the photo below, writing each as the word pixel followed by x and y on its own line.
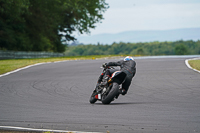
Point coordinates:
pixel 163 97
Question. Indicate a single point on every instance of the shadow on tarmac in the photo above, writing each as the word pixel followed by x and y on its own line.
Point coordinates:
pixel 127 103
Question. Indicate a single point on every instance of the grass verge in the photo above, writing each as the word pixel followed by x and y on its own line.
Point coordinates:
pixel 195 64
pixel 1 131
pixel 4 131
pixel 13 64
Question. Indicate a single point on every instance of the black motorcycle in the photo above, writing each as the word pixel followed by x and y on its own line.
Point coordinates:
pixel 107 93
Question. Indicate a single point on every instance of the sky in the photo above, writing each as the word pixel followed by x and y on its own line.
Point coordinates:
pixel 134 15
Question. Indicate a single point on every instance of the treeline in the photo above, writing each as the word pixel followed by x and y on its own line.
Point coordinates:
pixel 36 25
pixel 149 48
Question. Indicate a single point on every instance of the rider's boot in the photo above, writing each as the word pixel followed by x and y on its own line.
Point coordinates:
pixel 122 91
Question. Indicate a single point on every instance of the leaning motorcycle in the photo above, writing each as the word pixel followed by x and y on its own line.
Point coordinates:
pixel 107 93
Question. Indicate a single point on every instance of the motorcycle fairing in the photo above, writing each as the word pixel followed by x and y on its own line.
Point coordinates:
pixel 118 77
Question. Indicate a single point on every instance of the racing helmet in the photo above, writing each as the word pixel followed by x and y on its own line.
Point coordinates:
pixel 128 58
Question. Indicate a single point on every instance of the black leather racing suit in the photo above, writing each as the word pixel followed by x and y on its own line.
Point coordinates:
pixel 129 67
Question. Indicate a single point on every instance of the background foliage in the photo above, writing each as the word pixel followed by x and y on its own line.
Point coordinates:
pixel 35 25
pixel 149 48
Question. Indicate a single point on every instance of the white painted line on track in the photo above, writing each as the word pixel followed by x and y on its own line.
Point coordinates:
pixel 29 67
pixel 34 65
pixel 21 69
pixel 42 130
pixel 188 65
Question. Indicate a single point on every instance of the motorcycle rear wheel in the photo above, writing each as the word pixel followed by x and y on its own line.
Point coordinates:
pixel 107 99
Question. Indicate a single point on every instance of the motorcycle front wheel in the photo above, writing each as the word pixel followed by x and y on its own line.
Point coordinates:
pixel 92 98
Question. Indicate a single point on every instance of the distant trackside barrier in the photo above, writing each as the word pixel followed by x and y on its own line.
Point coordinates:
pixel 24 55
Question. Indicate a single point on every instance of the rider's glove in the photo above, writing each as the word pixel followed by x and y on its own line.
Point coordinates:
pixel 104 65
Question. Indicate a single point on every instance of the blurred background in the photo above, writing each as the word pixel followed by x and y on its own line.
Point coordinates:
pixel 99 27
pixel 146 20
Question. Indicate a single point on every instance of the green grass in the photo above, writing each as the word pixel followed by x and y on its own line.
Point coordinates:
pixel 13 64
pixel 1 131
pixel 195 64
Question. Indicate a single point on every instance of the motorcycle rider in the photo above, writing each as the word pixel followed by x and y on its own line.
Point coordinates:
pixel 128 65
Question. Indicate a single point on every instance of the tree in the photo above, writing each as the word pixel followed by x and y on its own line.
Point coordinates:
pixel 181 49
pixel 35 25
pixel 140 51
pixel 12 23
pixel 152 48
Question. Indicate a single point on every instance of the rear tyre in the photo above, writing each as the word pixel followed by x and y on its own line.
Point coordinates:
pixel 107 99
pixel 92 98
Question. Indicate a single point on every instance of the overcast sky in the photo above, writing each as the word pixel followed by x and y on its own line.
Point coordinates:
pixel 128 15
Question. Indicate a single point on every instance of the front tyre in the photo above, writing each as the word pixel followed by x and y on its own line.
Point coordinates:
pixel 107 99
pixel 92 98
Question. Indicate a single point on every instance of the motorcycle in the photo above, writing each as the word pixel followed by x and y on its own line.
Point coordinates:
pixel 107 93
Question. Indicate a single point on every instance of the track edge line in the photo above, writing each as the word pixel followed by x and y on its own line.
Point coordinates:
pixel 188 65
pixel 42 130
